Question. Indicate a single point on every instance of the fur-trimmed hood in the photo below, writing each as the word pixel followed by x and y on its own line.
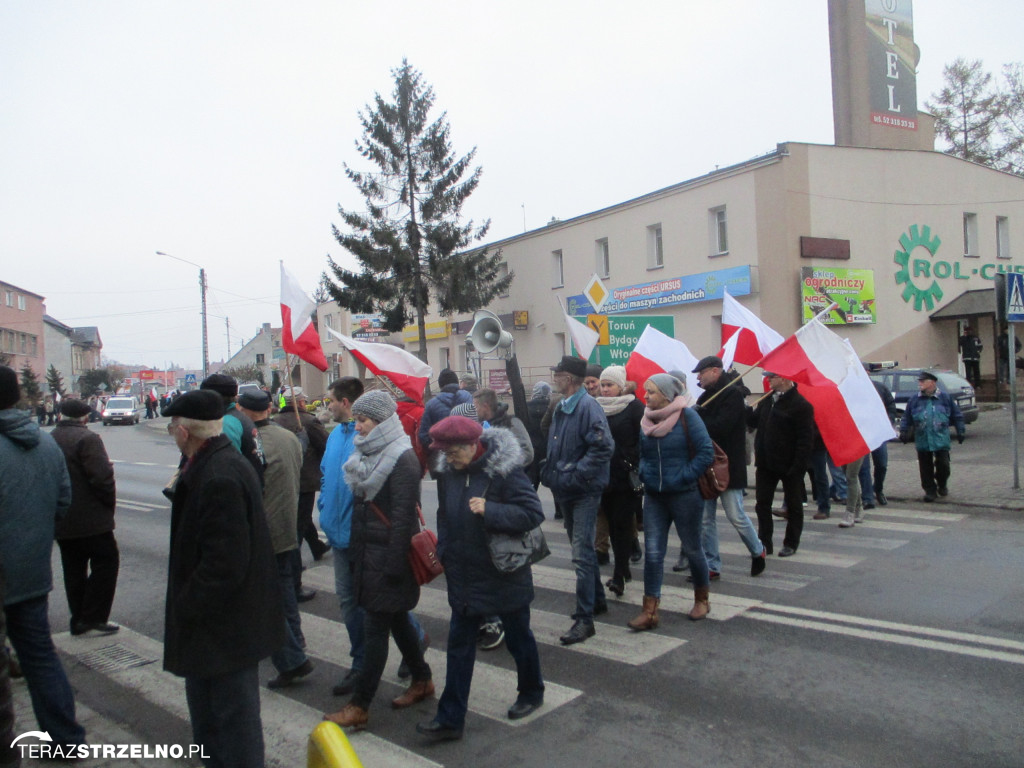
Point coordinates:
pixel 501 457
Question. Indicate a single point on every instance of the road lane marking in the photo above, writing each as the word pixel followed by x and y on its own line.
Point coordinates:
pixel 286 723
pixel 889 637
pixel 493 690
pixel 965 637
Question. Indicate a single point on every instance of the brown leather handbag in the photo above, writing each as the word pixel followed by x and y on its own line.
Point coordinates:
pixel 426 565
pixel 715 478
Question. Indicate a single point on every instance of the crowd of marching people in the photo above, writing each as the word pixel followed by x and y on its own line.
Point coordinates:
pixel 619 457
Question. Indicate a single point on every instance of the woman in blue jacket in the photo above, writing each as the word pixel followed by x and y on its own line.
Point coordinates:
pixel 481 487
pixel 674 451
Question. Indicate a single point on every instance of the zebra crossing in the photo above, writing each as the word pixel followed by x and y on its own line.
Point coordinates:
pixel 133 661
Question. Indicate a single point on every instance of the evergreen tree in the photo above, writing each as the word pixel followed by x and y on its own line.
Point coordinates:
pixel 54 380
pixel 966 112
pixel 30 389
pixel 411 243
pixel 1011 121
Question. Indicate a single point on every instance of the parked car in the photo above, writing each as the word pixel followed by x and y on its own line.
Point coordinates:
pixel 248 387
pixel 120 410
pixel 902 382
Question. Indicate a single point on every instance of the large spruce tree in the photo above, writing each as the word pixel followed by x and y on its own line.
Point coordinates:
pixel 967 111
pixel 411 242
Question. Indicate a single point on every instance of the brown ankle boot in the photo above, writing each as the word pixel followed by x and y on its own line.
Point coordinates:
pixel 417 692
pixel 350 716
pixel 701 604
pixel 648 618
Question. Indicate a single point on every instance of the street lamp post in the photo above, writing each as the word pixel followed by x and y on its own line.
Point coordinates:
pixel 202 294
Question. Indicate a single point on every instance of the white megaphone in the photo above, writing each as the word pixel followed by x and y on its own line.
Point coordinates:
pixel 487 334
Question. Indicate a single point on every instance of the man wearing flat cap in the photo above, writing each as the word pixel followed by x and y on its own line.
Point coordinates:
pixel 930 413
pixel 223 611
pixel 579 454
pixel 88 550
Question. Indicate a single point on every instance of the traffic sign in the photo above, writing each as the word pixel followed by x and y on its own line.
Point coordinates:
pixel 190 378
pixel 622 333
pixel 1014 297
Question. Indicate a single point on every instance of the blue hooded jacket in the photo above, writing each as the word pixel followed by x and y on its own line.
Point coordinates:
pixel 35 490
pixel 335 501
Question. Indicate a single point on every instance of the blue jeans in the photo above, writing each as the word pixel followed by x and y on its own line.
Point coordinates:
pixel 28 627
pixel 732 503
pixel 580 517
pixel 685 509
pixel 880 462
pixel 291 655
pixel 462 632
pixel 838 487
pixel 225 714
pixel 351 614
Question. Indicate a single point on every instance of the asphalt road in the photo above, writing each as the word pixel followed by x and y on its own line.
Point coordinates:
pixel 900 642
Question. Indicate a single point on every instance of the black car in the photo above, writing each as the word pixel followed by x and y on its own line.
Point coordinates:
pixel 902 382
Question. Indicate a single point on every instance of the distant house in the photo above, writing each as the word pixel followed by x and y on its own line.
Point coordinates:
pixel 22 335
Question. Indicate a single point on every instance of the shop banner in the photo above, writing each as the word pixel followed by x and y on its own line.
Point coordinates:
pixel 687 289
pixel 852 289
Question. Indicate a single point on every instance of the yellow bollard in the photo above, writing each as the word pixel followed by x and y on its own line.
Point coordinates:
pixel 329 747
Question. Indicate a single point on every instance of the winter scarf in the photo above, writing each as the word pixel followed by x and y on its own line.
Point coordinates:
pixel 614 405
pixel 658 423
pixel 374 456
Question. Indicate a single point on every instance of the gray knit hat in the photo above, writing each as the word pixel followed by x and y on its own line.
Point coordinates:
pixel 668 385
pixel 615 374
pixel 375 404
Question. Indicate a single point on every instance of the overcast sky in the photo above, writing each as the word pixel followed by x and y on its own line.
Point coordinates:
pixel 216 131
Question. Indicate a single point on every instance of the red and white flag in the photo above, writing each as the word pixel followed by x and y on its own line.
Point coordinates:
pixel 745 339
pixel 657 353
pixel 299 336
pixel 584 338
pixel 403 369
pixel 847 409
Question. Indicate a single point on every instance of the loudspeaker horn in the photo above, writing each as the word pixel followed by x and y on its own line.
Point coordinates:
pixel 487 334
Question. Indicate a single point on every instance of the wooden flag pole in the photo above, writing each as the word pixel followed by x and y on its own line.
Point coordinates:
pixel 291 385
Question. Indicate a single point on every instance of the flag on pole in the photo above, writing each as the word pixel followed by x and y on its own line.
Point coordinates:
pixel 299 336
pixel 753 339
pixel 847 409
pixel 584 338
pixel 403 369
pixel 656 352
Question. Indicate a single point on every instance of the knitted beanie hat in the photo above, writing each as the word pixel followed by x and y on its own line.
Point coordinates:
pixel 616 374
pixel 375 404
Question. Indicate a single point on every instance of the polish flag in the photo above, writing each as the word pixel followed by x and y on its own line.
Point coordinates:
pixel 753 339
pixel 657 353
pixel 299 336
pixel 584 338
pixel 847 409
pixel 406 371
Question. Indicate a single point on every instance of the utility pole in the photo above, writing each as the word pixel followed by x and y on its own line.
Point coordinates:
pixel 202 293
pixel 227 332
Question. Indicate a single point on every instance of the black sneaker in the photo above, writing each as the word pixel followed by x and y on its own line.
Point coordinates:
pixel 348 683
pixel 579 632
pixel 943 490
pixel 491 636
pixel 638 552
pixel 603 558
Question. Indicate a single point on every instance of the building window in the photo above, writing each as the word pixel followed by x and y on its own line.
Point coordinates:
pixel 21 302
pixel 23 339
pixel 33 345
pixel 10 298
pixel 718 231
pixel 261 359
pixel 602 256
pixel 446 357
pixel 655 247
pixel 557 275
pixel 1002 237
pixel 502 274
pixel 971 234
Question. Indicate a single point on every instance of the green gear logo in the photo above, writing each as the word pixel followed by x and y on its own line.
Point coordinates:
pixel 910 240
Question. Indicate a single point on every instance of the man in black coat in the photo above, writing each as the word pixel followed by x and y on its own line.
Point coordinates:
pixel 223 601
pixel 723 408
pixel 782 449
pixel 86 534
